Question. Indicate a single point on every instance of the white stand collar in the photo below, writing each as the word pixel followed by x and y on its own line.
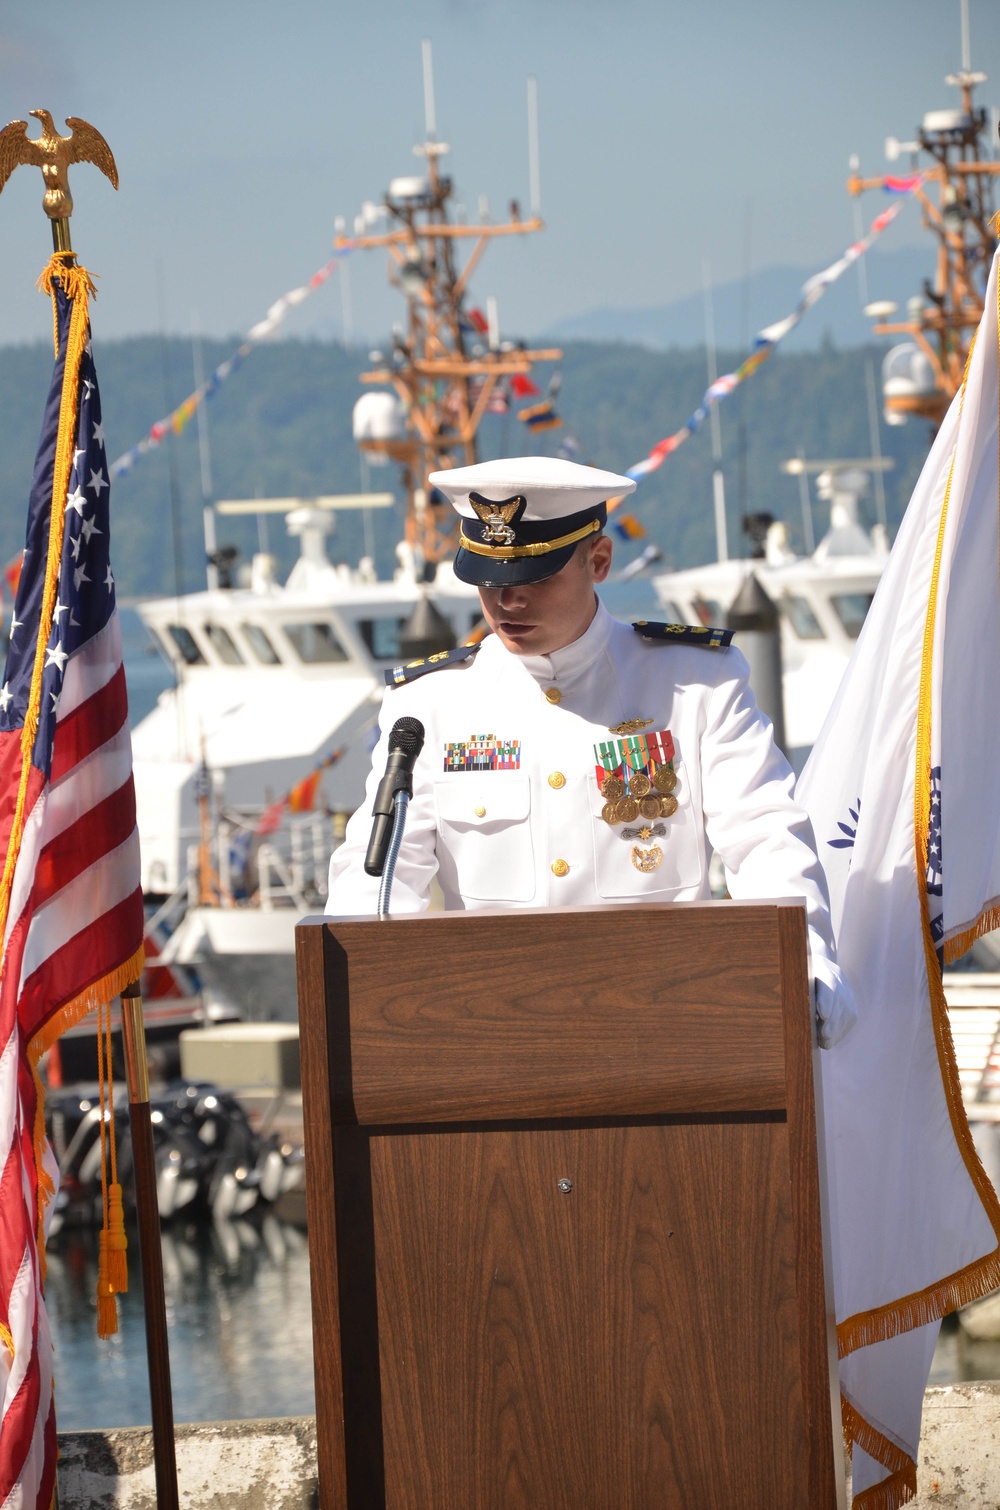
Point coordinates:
pixel 572 660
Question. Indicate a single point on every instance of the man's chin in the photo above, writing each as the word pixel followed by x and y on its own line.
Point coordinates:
pixel 520 642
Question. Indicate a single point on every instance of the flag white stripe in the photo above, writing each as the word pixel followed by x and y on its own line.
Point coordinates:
pixel 8 1098
pixel 21 1310
pixel 81 904
pixel 104 771
pixel 91 667
pixel 24 871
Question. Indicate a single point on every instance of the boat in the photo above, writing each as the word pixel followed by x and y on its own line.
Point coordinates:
pixel 822 598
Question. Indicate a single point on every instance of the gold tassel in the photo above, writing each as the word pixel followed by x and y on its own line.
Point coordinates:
pixel 114 1216
pixel 76 281
pixel 107 1306
pixel 117 1241
pixel 107 1309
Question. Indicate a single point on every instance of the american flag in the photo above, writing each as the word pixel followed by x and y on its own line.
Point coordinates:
pixel 70 898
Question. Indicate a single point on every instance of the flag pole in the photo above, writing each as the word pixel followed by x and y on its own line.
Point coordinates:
pixel 150 1250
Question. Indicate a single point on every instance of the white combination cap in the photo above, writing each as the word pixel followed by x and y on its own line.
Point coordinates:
pixel 523 516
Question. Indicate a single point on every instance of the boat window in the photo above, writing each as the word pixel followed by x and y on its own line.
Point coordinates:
pixel 707 611
pixel 852 607
pixel 221 642
pixel 672 613
pixel 382 637
pixel 186 644
pixel 260 644
pixel 801 616
pixel 315 643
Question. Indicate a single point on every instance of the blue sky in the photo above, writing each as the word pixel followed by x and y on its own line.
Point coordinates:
pixel 242 130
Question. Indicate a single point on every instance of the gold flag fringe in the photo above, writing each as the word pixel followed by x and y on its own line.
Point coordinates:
pixel 79 280
pixel 6 1339
pixel 901 1485
pixel 959 943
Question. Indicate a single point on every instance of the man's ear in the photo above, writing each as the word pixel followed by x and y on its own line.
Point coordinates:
pixel 600 558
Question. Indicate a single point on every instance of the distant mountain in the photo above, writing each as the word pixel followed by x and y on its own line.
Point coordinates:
pixel 773 293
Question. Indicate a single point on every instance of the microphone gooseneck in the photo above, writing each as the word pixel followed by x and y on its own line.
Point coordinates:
pixel 406 740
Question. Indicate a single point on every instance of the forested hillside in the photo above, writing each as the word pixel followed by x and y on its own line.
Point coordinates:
pixel 282 426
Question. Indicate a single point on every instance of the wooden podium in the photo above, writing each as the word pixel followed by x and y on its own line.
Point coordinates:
pixel 564 1211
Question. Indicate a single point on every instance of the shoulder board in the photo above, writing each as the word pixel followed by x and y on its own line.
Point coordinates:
pixel 686 634
pixel 397 675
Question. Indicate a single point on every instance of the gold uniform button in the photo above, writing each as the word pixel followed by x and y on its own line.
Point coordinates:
pixel 557 779
pixel 560 868
pixel 553 695
pixel 480 812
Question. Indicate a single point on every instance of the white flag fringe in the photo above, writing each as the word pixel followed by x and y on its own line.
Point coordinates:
pixel 903 788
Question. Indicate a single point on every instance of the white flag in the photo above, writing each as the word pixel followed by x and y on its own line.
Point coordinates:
pixel 903 788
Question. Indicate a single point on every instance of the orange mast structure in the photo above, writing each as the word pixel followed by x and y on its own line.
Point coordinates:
pixel 444 383
pixel 942 322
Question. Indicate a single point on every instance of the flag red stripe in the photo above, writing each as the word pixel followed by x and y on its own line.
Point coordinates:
pixel 19 1418
pixel 88 956
pixel 95 833
pixel 19 1421
pixel 90 725
pixel 10 776
pixel 13 1223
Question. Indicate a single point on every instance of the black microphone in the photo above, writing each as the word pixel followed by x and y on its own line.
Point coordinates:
pixel 406 740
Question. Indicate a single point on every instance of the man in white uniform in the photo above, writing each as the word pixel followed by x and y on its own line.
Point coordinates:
pixel 573 759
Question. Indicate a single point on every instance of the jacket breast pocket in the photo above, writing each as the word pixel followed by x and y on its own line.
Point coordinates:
pixel 485 833
pixel 670 859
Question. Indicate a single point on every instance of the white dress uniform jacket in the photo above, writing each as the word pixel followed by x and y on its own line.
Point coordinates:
pixel 532 835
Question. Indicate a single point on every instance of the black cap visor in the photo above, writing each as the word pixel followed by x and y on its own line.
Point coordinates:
pixel 486 567
pixel 487 571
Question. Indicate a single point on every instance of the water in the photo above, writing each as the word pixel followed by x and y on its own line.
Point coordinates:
pixel 239 1322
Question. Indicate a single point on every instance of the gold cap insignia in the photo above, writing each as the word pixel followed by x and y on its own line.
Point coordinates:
pixel 497 518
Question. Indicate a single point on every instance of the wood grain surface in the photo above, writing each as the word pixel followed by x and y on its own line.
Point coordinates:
pixel 656 1335
pixel 474 1016
pixel 617 1346
pixel 817 1319
pixel 311 947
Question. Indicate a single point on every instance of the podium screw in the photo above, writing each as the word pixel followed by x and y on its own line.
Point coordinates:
pixel 565 1186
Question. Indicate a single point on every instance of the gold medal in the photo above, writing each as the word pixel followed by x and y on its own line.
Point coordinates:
pixel 668 807
pixel 664 779
pixel 609 812
pixel 649 807
pixel 612 786
pixel 639 784
pixel 626 810
pixel 646 860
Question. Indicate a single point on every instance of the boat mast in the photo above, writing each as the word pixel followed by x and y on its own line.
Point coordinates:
pixel 444 386
pixel 943 323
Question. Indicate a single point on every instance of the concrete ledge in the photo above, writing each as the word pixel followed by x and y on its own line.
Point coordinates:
pixel 959 1463
pixel 271 1465
pixel 221 1465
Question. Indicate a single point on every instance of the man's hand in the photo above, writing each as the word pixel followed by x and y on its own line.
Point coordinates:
pixel 836 1009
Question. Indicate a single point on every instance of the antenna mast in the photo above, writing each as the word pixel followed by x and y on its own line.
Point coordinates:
pixel 943 322
pixel 442 367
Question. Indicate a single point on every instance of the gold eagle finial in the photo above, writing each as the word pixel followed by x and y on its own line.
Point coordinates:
pixel 53 154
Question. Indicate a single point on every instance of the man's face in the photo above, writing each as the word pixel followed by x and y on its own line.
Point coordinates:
pixel 544 616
